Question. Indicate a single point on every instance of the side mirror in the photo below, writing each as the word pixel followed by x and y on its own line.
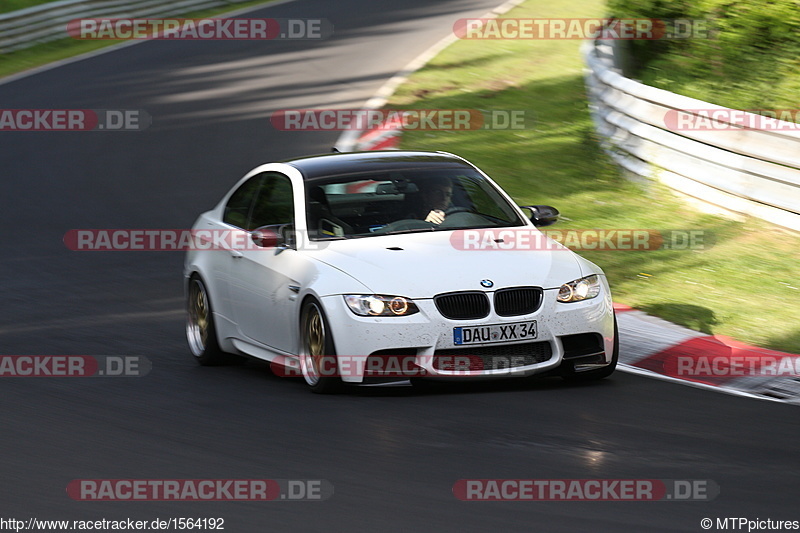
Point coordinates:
pixel 542 215
pixel 278 236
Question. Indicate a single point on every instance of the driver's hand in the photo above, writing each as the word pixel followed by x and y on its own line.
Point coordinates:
pixel 435 217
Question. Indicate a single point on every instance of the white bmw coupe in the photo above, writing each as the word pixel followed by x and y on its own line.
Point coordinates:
pixel 374 266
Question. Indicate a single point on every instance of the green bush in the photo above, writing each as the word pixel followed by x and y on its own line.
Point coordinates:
pixel 750 59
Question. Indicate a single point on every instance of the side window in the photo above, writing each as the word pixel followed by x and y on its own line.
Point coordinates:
pixel 274 203
pixel 237 210
pixel 486 201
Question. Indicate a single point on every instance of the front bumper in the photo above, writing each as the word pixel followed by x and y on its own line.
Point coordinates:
pixel 424 345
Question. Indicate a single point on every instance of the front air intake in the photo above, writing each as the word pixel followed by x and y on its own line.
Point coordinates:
pixel 462 305
pixel 516 301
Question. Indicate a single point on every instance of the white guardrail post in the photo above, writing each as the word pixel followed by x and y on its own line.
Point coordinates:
pixel 750 171
pixel 48 22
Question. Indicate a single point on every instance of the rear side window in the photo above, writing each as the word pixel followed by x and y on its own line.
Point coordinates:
pixel 237 210
pixel 262 200
pixel 274 203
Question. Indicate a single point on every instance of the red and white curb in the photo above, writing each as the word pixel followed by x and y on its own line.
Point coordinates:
pixel 386 136
pixel 654 347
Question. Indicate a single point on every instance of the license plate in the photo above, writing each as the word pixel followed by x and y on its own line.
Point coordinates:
pixel 516 331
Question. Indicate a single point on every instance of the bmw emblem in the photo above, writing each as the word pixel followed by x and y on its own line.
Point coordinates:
pixel 487 283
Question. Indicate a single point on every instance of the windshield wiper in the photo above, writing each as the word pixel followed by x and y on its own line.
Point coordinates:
pixel 399 231
pixel 331 238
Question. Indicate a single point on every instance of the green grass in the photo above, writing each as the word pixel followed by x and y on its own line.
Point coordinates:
pixel 12 5
pixel 748 59
pixel 747 285
pixel 776 91
pixel 44 53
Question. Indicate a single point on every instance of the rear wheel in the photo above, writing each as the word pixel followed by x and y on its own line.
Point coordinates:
pixel 570 374
pixel 317 353
pixel 200 331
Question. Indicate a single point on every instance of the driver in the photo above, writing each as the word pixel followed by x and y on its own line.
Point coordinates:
pixel 435 199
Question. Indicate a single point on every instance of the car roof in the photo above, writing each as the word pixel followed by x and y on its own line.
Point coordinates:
pixel 336 164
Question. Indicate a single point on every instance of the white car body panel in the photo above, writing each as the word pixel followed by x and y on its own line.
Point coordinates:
pixel 427 264
pixel 257 294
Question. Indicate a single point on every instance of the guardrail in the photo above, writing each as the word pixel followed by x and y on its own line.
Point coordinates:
pixel 48 22
pixel 750 171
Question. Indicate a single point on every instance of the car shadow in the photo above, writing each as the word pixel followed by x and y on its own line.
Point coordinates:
pixel 404 388
pixel 436 388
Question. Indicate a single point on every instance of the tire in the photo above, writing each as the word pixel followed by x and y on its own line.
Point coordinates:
pixel 317 351
pixel 568 370
pixel 200 331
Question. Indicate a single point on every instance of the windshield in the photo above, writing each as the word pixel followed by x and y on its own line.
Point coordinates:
pixel 404 202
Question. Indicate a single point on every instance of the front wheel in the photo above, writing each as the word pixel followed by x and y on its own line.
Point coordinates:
pixel 317 353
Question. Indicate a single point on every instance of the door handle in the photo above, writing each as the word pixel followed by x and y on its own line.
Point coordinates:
pixel 236 254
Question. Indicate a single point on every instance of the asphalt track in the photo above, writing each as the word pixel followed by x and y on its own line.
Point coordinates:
pixel 392 454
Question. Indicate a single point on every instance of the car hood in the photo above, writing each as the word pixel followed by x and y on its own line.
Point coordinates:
pixel 421 265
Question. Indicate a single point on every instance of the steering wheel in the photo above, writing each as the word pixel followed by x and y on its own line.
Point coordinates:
pixel 457 209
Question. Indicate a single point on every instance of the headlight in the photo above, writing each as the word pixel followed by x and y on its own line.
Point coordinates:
pixel 380 305
pixel 579 289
